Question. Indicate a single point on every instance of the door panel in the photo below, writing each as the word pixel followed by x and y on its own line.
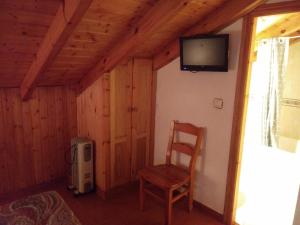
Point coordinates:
pixel 141 153
pixel 141 101
pixel 120 125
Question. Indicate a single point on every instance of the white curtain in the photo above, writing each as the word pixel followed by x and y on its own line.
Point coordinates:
pixel 271 63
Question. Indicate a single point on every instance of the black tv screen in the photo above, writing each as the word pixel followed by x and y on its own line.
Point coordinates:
pixel 204 53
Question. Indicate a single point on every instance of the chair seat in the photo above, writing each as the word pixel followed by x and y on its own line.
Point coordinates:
pixel 165 176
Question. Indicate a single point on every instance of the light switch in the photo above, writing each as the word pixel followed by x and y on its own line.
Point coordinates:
pixel 218 103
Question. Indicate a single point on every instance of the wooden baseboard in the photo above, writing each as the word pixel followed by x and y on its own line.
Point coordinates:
pixel 206 209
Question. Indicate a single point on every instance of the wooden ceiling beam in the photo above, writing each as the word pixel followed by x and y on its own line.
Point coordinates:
pixel 288 26
pixel 277 8
pixel 158 15
pixel 223 16
pixel 67 17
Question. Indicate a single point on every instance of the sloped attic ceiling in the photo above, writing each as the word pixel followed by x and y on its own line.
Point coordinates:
pixel 23 27
pixel 103 25
pixel 100 28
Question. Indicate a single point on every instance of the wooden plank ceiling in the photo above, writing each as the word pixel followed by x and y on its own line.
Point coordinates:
pixel 25 23
pixel 23 27
pixel 283 25
pixel 101 28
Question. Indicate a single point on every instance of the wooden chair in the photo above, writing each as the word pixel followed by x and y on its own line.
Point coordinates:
pixel 169 182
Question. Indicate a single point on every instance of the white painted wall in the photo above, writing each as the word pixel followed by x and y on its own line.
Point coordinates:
pixel 188 97
pixel 297 212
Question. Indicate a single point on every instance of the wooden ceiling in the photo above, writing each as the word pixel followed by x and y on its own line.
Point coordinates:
pixel 102 26
pixel 282 25
pixel 24 25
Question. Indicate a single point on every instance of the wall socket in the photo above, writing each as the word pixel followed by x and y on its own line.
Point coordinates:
pixel 218 103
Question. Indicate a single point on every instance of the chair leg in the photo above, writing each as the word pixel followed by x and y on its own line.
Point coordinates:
pixel 142 194
pixel 191 199
pixel 168 213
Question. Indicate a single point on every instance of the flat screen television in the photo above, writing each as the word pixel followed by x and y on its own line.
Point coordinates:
pixel 204 53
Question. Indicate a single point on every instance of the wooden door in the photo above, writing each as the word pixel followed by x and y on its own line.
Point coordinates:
pixel 141 102
pixel 120 98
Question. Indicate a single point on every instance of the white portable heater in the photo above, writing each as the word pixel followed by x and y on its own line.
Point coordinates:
pixel 82 166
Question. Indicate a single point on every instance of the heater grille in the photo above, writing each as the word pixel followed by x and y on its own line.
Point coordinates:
pixel 82 165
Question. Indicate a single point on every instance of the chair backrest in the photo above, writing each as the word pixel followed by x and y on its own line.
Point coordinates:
pixel 191 150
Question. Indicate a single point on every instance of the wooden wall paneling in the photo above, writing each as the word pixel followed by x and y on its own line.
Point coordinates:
pixel 4 141
pixel 98 115
pixel 3 166
pixel 67 105
pixel 36 135
pixel 52 140
pixel 120 114
pixel 8 147
pixel 106 129
pixel 11 152
pixel 3 175
pixel 28 150
pixel 80 114
pixel 141 115
pixel 22 153
pixel 14 131
pixel 106 111
pixel 153 116
pixel 91 124
pixel 32 141
pixel 44 134
pixel 58 130
pixel 66 123
pixel 70 107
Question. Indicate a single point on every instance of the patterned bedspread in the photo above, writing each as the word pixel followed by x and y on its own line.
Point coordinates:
pixel 47 208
